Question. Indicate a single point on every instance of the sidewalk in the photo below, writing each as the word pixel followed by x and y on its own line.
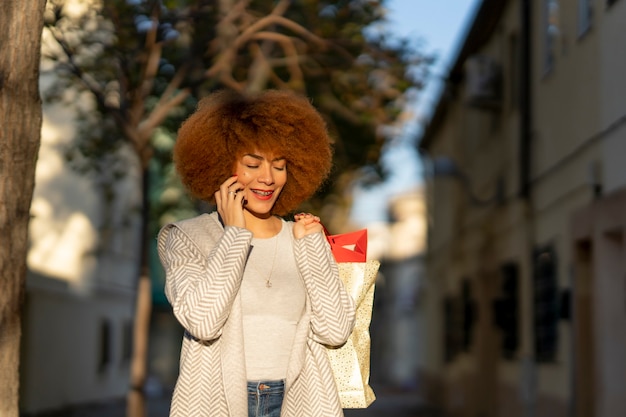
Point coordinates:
pixel 388 403
pixel 396 404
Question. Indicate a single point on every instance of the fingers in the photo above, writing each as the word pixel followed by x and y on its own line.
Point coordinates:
pixel 307 218
pixel 305 224
pixel 229 188
pixel 229 202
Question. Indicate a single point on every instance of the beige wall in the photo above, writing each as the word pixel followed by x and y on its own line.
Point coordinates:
pixel 600 228
pixel 63 362
pixel 613 89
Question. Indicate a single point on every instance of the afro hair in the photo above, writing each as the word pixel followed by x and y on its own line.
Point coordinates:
pixel 226 125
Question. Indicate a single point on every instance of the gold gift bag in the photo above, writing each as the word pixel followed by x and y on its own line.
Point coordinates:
pixel 351 362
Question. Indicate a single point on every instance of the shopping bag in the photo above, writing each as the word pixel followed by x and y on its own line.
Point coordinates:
pixel 351 361
pixel 349 247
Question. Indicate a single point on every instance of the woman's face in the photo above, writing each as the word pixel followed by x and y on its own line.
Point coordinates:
pixel 263 177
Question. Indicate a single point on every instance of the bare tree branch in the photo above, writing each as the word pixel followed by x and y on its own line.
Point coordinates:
pixel 291 53
pixel 149 71
pixel 281 21
pixel 225 59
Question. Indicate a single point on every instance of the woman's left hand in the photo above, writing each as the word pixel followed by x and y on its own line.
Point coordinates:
pixel 305 224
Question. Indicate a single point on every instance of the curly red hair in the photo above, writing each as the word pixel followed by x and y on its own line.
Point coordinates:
pixel 226 125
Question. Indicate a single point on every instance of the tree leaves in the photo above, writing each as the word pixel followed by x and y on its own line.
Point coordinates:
pixel 147 63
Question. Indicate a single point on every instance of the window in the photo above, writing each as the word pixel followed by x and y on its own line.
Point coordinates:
pixel 584 16
pixel 467 305
pixel 507 310
pixel 552 32
pixel 459 321
pixel 546 304
pixel 453 327
pixel 127 341
pixel 104 354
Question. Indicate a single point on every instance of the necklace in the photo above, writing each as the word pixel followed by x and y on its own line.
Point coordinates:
pixel 268 278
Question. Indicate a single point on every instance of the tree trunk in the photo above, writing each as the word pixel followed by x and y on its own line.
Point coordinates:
pixel 21 23
pixel 136 399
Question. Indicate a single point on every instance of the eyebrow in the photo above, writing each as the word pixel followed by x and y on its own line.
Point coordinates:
pixel 260 158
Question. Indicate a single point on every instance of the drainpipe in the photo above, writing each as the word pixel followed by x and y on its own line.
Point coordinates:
pixel 528 365
pixel 525 99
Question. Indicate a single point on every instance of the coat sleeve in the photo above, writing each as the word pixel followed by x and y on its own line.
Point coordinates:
pixel 332 308
pixel 201 288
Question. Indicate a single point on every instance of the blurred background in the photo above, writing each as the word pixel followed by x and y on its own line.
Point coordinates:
pixel 480 142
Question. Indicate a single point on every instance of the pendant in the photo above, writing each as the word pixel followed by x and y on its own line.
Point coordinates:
pixel 268 283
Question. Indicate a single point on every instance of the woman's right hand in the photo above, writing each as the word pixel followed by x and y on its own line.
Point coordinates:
pixel 229 202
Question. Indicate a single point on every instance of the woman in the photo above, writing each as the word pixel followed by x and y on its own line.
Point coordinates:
pixel 259 297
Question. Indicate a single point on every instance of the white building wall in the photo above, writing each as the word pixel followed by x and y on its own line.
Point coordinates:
pixel 83 264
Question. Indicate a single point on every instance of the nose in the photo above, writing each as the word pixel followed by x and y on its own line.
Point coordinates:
pixel 266 176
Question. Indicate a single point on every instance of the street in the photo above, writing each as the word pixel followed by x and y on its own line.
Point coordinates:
pixel 396 404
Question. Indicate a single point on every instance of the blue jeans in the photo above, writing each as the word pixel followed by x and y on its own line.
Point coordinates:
pixel 265 398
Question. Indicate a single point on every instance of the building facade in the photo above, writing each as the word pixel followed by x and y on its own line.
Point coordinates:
pixel 526 265
pixel 82 270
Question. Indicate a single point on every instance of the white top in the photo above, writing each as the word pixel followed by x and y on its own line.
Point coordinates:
pixel 271 314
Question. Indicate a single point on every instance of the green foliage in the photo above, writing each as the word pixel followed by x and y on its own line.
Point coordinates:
pixel 359 78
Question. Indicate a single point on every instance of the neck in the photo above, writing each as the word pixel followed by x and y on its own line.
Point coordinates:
pixel 262 227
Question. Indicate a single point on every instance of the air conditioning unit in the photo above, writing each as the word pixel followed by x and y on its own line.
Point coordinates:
pixel 483 78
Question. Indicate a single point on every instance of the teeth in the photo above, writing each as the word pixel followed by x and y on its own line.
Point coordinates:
pixel 263 193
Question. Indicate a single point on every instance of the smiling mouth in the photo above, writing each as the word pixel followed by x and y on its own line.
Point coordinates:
pixel 262 193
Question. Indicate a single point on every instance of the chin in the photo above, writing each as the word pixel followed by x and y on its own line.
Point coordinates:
pixel 260 211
